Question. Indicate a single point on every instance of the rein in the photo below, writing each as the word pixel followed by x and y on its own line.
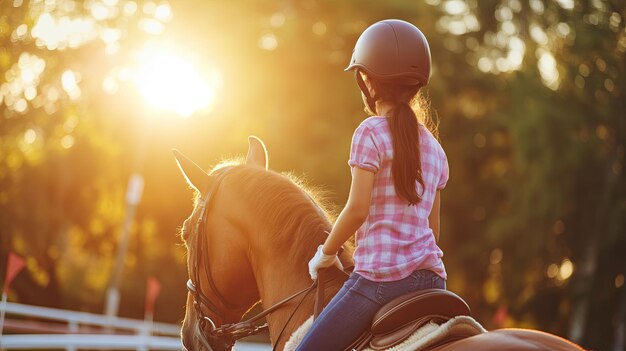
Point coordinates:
pixel 224 337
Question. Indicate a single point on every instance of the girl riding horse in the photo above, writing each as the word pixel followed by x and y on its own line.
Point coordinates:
pixel 398 171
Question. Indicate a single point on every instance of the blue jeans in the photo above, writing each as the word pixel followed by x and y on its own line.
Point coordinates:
pixel 351 311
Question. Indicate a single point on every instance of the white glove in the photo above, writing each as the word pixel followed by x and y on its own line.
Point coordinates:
pixel 322 260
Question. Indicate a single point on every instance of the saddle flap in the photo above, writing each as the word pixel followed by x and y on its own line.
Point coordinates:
pixel 416 306
pixel 393 338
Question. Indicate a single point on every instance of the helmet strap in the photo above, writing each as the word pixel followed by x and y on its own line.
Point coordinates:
pixel 369 100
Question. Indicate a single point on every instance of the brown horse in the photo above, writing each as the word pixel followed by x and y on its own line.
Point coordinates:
pixel 249 238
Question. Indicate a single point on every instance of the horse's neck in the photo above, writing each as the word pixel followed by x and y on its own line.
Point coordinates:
pixel 280 319
pixel 277 281
pixel 278 277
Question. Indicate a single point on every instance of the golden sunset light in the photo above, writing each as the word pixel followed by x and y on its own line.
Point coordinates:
pixel 172 82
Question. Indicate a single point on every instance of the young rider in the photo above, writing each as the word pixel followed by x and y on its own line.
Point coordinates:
pixel 398 170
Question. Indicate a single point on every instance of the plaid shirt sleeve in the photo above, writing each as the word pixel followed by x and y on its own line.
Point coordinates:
pixel 364 151
pixel 445 172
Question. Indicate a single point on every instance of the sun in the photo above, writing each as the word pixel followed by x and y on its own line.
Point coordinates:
pixel 169 81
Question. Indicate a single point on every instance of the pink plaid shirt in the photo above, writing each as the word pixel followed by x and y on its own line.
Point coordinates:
pixel 396 238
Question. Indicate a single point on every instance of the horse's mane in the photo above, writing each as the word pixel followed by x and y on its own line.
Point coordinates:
pixel 298 215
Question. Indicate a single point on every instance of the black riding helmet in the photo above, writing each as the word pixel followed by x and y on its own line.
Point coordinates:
pixel 391 51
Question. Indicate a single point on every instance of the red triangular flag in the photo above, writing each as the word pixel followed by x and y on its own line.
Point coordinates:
pixel 14 265
pixel 152 291
pixel 501 316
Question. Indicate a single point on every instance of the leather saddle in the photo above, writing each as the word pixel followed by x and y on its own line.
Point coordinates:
pixel 401 317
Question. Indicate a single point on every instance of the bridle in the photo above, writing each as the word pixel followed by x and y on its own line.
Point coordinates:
pixel 223 337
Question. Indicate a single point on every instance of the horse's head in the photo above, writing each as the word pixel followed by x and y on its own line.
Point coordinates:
pixel 215 235
pixel 249 237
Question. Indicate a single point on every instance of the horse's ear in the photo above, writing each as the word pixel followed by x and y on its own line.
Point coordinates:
pixel 195 176
pixel 257 153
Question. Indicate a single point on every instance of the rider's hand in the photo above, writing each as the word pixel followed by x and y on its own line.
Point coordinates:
pixel 322 260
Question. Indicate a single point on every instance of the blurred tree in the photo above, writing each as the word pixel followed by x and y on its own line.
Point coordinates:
pixel 62 166
pixel 554 156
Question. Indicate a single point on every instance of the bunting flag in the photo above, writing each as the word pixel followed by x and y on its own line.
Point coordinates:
pixel 14 266
pixel 501 317
pixel 152 291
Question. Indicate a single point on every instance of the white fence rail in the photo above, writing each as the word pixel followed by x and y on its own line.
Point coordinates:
pixel 88 341
pixel 142 334
pixel 75 319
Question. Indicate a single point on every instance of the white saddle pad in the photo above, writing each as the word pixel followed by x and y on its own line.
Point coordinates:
pixel 426 336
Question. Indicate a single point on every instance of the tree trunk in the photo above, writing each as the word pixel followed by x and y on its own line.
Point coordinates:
pixel 619 343
pixel 582 292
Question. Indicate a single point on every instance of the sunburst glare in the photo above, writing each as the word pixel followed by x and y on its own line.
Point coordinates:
pixel 171 82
